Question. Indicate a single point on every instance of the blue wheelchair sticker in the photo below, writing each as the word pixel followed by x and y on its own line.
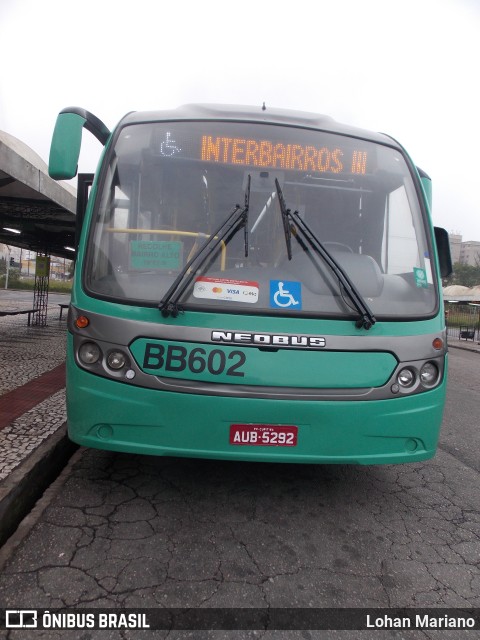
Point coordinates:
pixel 285 294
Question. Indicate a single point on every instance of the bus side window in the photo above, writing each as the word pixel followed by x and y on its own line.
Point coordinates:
pixel 400 249
pixel 120 216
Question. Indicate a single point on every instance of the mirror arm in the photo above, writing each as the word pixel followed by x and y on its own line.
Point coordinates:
pixel 67 140
pixel 92 123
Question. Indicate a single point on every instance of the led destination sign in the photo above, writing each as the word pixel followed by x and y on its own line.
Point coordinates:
pixel 278 155
pixel 297 151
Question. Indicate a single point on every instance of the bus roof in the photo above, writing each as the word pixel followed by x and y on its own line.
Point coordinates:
pixel 268 115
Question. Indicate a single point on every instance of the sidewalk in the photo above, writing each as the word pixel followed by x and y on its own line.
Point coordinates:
pixel 33 438
pixel 466 345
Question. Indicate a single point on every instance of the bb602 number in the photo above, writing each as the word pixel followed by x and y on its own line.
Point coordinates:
pixel 178 358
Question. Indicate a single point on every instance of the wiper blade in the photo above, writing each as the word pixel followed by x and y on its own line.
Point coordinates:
pixel 367 319
pixel 237 218
pixel 168 305
pixel 285 215
pixel 245 214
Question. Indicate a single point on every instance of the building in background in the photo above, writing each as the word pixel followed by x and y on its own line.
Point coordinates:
pixel 470 253
pixel 464 252
pixel 3 251
pixel 455 246
pixel 25 261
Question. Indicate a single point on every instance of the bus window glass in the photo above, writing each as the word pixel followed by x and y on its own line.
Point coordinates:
pixel 400 242
pixel 170 185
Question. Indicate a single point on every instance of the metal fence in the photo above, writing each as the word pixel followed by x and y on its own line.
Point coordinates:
pixel 463 320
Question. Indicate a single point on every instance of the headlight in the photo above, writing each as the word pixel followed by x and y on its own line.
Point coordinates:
pixel 89 353
pixel 406 378
pixel 116 360
pixel 429 374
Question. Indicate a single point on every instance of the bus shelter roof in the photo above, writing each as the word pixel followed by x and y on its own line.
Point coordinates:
pixel 459 293
pixel 36 212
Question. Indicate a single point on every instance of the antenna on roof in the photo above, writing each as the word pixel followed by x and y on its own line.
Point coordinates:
pixel 264 108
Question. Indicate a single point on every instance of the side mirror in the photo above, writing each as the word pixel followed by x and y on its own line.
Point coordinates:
pixel 67 140
pixel 443 250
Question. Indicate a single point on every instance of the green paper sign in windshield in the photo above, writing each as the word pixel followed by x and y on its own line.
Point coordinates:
pixel 153 254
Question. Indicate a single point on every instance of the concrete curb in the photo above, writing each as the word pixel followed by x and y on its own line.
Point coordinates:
pixel 472 349
pixel 27 482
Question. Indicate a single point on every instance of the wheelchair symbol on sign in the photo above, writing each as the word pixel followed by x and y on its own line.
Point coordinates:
pixel 168 146
pixel 283 297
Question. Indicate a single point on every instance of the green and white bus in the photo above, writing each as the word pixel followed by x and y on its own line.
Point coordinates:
pixel 253 284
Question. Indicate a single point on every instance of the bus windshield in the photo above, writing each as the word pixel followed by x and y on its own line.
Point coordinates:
pixel 169 185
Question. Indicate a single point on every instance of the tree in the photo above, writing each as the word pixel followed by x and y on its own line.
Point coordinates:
pixel 463 274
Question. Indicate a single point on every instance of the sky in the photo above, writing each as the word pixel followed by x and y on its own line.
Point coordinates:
pixel 409 68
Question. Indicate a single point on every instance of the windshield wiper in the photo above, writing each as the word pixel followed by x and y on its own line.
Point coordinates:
pixel 367 319
pixel 245 214
pixel 285 215
pixel 229 227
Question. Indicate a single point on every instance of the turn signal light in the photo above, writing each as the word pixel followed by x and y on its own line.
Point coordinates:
pixel 437 344
pixel 81 322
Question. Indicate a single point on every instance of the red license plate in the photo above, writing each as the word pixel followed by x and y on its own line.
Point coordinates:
pixel 265 435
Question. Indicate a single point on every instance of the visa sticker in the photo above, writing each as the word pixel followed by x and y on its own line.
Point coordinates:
pixel 226 289
pixel 285 294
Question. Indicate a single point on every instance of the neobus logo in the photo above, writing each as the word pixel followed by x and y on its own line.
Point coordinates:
pixel 313 342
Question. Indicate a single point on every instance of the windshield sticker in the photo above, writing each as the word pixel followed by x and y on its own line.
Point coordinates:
pixel 155 254
pixel 285 294
pixel 420 276
pixel 225 289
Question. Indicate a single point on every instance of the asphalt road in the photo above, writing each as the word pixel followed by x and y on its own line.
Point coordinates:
pixel 135 531
pixel 460 434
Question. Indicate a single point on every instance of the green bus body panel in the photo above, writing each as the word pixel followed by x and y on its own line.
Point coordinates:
pixel 427 187
pixel 106 414
pixel 252 366
pixel 109 415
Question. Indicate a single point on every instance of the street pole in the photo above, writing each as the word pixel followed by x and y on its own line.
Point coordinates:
pixel 8 267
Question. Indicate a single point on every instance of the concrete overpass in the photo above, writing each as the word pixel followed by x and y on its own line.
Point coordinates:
pixel 42 209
